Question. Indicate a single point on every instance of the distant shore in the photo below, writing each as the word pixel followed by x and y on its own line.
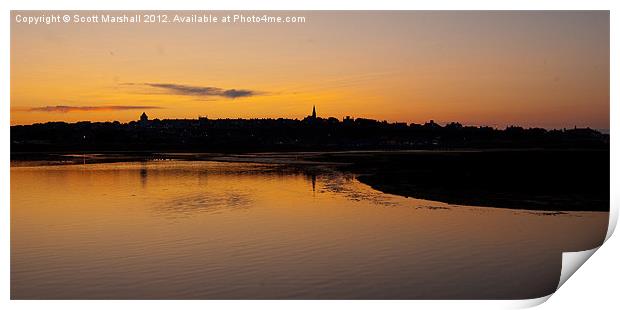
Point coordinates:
pixel 532 179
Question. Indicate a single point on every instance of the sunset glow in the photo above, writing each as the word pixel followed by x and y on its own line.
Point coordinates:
pixel 545 69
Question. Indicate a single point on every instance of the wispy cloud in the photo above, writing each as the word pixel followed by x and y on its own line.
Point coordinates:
pixel 67 108
pixel 201 91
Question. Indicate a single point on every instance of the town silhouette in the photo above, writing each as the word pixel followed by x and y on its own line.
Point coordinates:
pixel 313 133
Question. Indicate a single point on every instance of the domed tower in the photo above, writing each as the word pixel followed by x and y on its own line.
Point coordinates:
pixel 144 118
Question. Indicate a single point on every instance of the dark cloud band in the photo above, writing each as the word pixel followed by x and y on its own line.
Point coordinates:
pixel 203 91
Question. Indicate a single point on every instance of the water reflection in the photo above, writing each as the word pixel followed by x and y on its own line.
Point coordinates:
pixel 214 198
pixel 226 230
pixel 204 202
pixel 143 174
pixel 211 197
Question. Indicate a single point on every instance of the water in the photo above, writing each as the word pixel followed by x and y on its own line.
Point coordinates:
pixel 207 230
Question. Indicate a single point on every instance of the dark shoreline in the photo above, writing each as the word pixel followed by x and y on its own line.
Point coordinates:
pixel 549 180
pixel 529 179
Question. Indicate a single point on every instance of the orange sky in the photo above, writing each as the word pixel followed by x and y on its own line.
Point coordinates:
pixel 547 69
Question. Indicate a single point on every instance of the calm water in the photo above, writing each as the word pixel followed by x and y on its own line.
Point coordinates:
pixel 228 230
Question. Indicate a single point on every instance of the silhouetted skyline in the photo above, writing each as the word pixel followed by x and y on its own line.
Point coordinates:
pixel 312 133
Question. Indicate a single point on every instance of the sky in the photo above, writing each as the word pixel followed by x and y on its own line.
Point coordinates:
pixel 533 69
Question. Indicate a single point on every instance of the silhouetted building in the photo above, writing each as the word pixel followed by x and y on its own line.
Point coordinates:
pixel 348 120
pixel 144 119
pixel 311 119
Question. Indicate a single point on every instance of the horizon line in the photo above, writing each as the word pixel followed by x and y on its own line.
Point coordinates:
pixel 602 130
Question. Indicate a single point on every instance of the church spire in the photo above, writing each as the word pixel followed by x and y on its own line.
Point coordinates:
pixel 313 111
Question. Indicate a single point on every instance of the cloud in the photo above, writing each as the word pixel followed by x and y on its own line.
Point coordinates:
pixel 67 109
pixel 202 91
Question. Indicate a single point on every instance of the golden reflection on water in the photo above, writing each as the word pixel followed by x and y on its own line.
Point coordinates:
pixel 233 230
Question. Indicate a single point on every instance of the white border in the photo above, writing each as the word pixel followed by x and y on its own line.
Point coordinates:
pixel 596 284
